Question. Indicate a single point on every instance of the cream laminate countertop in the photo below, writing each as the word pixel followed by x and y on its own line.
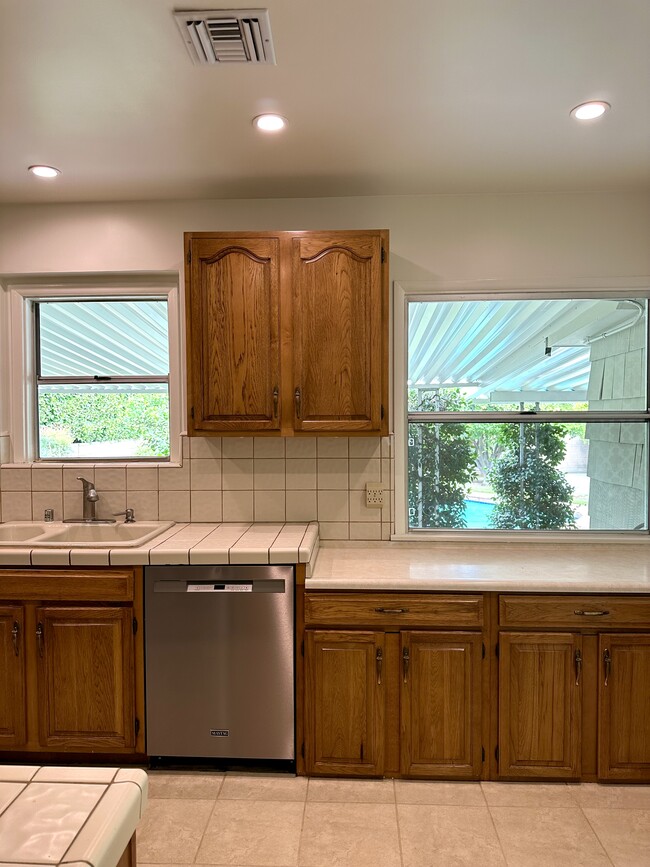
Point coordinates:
pixel 182 544
pixel 502 566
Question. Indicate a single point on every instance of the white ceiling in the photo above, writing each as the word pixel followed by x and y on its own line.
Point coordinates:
pixel 383 97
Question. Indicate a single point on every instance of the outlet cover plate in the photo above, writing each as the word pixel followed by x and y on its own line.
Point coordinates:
pixel 375 495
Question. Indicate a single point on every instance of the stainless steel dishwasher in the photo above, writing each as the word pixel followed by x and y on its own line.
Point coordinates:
pixel 219 644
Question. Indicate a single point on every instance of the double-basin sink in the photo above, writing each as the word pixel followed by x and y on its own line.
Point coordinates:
pixel 51 534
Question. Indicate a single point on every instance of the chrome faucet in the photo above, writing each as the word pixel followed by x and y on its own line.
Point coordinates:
pixel 90 497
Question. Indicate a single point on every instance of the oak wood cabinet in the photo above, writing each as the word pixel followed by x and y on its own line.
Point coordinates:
pixel 71 659
pixel 391 698
pixel 287 332
pixel 574 704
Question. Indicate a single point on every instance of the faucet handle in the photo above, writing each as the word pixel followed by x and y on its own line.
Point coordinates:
pixel 129 516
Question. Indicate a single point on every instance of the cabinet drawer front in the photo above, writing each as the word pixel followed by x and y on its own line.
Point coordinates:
pixel 78 585
pixel 384 609
pixel 575 611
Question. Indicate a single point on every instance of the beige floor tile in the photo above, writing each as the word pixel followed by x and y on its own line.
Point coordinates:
pixel 625 835
pixel 263 787
pixel 617 797
pixel 527 795
pixel 184 784
pixel 448 836
pixel 260 833
pixel 547 837
pixel 349 835
pixel 171 830
pixel 452 794
pixel 352 791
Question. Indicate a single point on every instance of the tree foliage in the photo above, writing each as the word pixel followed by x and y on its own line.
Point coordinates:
pixel 531 493
pixel 105 417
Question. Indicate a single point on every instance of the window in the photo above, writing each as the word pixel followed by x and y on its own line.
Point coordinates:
pixel 526 414
pixel 95 369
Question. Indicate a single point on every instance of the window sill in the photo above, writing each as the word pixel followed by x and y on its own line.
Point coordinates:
pixel 117 464
pixel 580 537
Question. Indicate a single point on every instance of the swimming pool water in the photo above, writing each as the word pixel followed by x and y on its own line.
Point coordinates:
pixel 477 514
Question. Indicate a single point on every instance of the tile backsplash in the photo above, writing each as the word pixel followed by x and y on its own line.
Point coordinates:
pixel 223 479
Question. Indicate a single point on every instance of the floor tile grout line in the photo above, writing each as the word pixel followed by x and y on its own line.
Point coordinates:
pixel 205 828
pixel 399 833
pixel 499 840
pixel 595 833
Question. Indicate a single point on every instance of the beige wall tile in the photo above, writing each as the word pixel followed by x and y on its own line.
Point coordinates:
pixel 205 447
pixel 365 530
pixel 16 505
pixel 47 479
pixel 110 479
pixel 72 505
pixel 385 532
pixel 174 478
pixel 269 474
pixel 185 447
pixel 237 505
pixel 237 447
pixel 269 506
pixel 365 447
pixel 333 506
pixel 237 474
pixel 142 478
pixel 174 505
pixel 301 506
pixel 70 476
pixel 205 506
pixel 110 503
pixel 362 471
pixel 333 474
pixel 5 449
pixel 332 447
pixel 16 479
pixel 332 530
pixel 268 447
pixel 387 446
pixel 360 512
pixel 144 504
pixel 300 447
pixel 42 500
pixel 205 474
pixel 301 474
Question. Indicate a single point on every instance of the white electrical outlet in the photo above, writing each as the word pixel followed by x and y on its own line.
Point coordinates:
pixel 375 495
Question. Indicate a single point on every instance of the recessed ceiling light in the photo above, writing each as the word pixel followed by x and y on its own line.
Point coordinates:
pixel 44 171
pixel 590 110
pixel 270 122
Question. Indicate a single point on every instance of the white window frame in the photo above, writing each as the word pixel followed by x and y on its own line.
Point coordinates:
pixel 486 290
pixel 21 357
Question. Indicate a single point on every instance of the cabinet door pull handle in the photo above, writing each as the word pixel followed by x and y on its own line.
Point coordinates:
pixel 392 610
pixel 40 638
pixel 298 400
pixel 379 661
pixel 276 398
pixel 406 659
pixel 590 613
pixel 607 659
pixel 578 659
pixel 14 636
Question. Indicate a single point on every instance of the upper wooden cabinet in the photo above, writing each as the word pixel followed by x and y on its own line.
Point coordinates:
pixel 287 332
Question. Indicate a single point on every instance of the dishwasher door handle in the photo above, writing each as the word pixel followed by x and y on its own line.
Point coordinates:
pixel 259 586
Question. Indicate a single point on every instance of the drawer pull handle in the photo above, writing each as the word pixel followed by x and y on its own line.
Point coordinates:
pixel 590 613
pixel 392 610
pixel 297 397
pixel 607 659
pixel 14 636
pixel 379 660
pixel 578 659
pixel 276 398
pixel 406 659
pixel 40 638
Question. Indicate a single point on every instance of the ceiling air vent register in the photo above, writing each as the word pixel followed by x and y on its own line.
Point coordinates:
pixel 227 36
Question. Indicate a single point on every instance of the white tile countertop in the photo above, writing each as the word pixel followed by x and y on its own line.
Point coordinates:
pixel 501 566
pixel 51 816
pixel 246 544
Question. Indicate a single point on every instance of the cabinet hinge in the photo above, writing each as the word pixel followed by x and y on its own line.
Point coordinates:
pixel 496 651
pixel 383 255
pixel 482 650
pixel 496 753
pixel 482 754
pixel 137 727
pixel 135 626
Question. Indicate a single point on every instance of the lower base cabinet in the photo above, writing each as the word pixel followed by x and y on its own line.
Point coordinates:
pixel 394 700
pixel 71 661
